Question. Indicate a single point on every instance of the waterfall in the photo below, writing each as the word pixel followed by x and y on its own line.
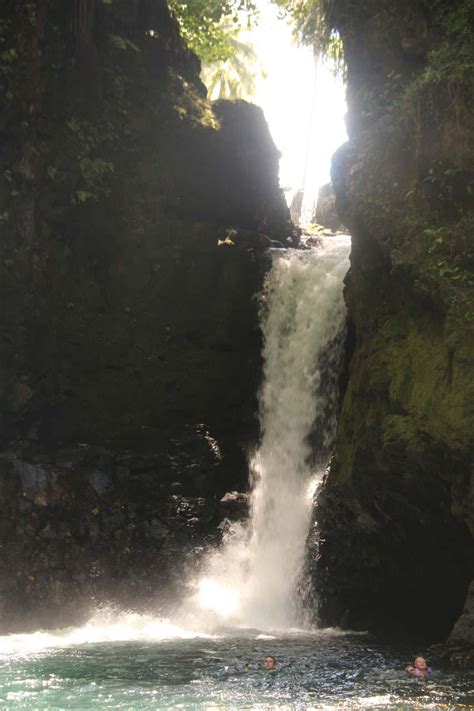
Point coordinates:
pixel 252 579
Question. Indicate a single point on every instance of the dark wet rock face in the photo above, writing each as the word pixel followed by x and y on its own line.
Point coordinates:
pixel 90 526
pixel 396 515
pixel 135 223
pixel 234 505
pixel 396 559
pixel 461 639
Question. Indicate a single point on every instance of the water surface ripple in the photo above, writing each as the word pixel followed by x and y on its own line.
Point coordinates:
pixel 323 671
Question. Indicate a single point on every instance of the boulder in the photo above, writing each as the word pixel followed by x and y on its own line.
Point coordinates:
pixel 326 213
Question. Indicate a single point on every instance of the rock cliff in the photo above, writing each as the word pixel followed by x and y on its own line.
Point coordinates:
pixel 396 515
pixel 134 220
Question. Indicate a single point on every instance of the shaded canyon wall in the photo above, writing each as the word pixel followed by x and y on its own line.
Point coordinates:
pixel 134 220
pixel 396 515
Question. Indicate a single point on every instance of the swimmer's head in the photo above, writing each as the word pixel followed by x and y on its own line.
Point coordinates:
pixel 269 663
pixel 421 663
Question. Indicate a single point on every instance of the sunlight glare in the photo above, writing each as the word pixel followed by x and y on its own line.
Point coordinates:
pixel 216 597
pixel 304 104
pixel 312 486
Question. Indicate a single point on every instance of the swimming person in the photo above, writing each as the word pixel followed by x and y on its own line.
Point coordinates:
pixel 269 663
pixel 421 668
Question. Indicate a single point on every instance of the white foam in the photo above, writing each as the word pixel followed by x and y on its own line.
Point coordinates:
pixel 252 580
pixel 104 626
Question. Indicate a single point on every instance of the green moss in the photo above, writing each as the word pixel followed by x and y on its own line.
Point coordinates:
pixel 431 384
pixel 411 379
pixel 189 105
pixel 453 59
pixel 341 467
pixel 400 428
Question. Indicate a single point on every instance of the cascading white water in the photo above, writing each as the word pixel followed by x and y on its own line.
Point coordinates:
pixel 252 579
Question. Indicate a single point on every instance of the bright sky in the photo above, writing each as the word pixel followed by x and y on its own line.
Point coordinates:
pixel 304 105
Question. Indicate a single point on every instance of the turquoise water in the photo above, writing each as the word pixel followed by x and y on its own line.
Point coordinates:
pixel 321 671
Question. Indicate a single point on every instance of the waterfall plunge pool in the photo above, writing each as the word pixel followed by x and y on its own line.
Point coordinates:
pixel 325 671
pixel 250 584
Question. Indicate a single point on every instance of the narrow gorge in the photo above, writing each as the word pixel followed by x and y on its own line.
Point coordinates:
pixel 139 223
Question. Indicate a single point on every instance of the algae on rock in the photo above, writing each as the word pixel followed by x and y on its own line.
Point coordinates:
pixel 396 517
